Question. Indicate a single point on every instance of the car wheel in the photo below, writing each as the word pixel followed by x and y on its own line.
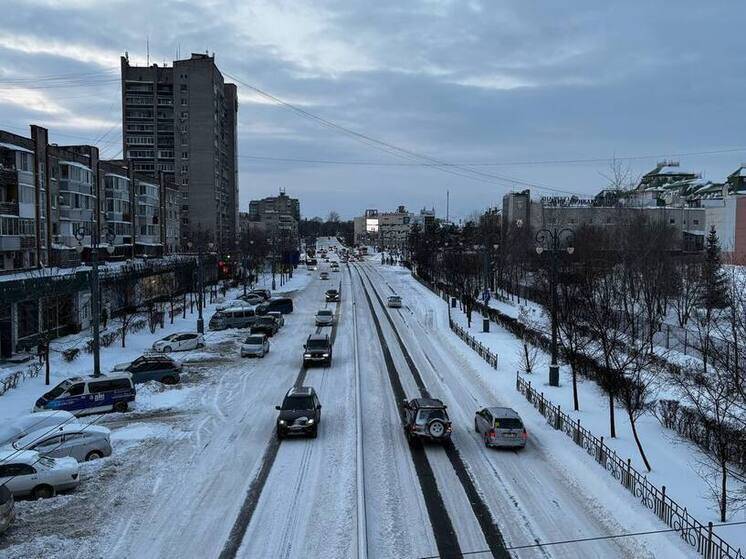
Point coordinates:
pixel 168 380
pixel 280 434
pixel 486 440
pixel 200 345
pixel 94 455
pixel 42 492
pixel 167 349
pixel 315 432
pixel 436 428
pixel 476 428
pixel 120 407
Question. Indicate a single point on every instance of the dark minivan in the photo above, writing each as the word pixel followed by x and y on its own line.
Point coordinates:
pixel 281 304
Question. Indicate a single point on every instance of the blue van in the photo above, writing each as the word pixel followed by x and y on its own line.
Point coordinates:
pixel 86 395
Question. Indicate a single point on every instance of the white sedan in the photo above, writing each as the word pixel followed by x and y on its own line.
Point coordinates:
pixel 324 317
pixel 181 341
pixel 256 345
pixel 27 472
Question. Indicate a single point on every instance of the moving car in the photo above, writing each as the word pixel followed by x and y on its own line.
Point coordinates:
pixel 318 349
pixel 324 275
pixel 14 429
pixel 500 427
pixel 7 508
pixel 300 413
pixel 152 367
pixel 265 325
pixel 27 472
pixel 255 345
pixel 280 304
pixel 180 341
pixel 233 317
pixel 332 296
pixel 82 442
pixel 324 317
pixel 84 395
pixel 426 418
pixel 394 301
pixel 279 318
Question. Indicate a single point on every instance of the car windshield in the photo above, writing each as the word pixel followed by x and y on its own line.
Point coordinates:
pixel 58 390
pixel 325 313
pixel 332 292
pixel 508 423
pixel 298 403
pixel 424 416
pixel 254 340
pixel 316 344
pixel 394 298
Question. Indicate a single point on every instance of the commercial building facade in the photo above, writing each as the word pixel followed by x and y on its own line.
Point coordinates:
pixel 182 121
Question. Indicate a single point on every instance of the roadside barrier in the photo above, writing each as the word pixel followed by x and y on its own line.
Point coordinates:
pixel 699 536
pixel 12 380
pixel 474 344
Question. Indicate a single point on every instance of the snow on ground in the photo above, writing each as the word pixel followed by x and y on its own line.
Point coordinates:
pixel 675 461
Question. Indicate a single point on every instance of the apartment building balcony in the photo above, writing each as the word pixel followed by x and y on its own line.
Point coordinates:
pixel 9 208
pixel 146 100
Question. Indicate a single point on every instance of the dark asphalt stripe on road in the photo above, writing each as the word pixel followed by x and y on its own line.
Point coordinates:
pixel 491 532
pixel 445 535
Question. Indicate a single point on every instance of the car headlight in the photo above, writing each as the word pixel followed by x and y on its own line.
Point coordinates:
pixel 306 355
pixel 310 421
pixel 282 422
pixel 325 355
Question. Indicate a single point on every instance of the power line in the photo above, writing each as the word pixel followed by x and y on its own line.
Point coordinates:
pixel 582 540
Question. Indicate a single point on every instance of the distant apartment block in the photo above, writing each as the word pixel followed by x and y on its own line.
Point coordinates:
pixel 387 230
pixel 279 215
pixel 182 121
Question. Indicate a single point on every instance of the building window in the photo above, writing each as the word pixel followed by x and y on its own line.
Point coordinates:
pixel 696 222
pixel 184 101
pixel 185 155
pixel 184 114
pixel 672 221
pixel 183 87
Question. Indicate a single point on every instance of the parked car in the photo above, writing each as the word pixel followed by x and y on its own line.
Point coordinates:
pixel 265 325
pixel 236 303
pixel 82 442
pixel 29 473
pixel 318 349
pixel 332 296
pixel 7 508
pixel 233 317
pixel 85 395
pixel 394 301
pixel 300 413
pixel 181 341
pixel 279 318
pixel 255 345
pixel 252 298
pixel 14 429
pixel 324 317
pixel 426 418
pixel 324 275
pixel 152 367
pixel 500 427
pixel 280 304
pixel 265 294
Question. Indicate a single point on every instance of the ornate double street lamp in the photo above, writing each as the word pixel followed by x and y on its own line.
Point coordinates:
pixel 200 281
pixel 554 243
pixel 81 234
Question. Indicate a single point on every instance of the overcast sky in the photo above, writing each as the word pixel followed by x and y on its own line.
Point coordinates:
pixel 510 83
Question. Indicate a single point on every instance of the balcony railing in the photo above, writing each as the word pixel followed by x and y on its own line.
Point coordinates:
pixel 8 208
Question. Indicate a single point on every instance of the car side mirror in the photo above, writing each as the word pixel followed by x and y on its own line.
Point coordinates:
pixel 305 346
pixel 404 404
pixel 318 407
pixel 278 407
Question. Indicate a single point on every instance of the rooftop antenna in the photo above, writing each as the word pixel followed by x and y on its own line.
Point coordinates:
pixel 147 50
pixel 448 205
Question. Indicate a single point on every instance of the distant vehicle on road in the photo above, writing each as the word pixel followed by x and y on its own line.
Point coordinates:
pixel 324 317
pixel 86 395
pixel 426 418
pixel 265 325
pixel 29 473
pixel 312 264
pixel 318 349
pixel 7 508
pixel 14 429
pixel 279 318
pixel 500 427
pixel 279 304
pixel 181 341
pixel 255 345
pixel 324 275
pixel 156 367
pixel 394 301
pixel 300 413
pixel 82 442
pixel 332 296
pixel 233 317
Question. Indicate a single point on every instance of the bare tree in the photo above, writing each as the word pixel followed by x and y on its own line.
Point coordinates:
pixel 127 298
pixel 687 287
pixel 619 176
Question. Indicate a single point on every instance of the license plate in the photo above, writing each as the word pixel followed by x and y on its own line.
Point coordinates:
pixel 510 435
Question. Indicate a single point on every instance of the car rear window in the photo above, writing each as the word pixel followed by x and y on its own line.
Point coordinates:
pixel 254 340
pixel 508 423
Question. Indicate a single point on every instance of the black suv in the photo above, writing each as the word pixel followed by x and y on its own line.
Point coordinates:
pixel 426 418
pixel 300 413
pixel 332 296
pixel 265 325
pixel 282 304
pixel 318 349
pixel 152 367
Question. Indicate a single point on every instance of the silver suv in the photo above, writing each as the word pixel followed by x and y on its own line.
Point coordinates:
pixel 500 427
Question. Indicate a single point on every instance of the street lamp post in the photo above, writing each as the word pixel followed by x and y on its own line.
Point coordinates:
pixel 200 284
pixel 80 234
pixel 554 242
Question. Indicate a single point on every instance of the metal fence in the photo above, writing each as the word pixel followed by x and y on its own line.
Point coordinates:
pixel 11 380
pixel 699 536
pixel 474 344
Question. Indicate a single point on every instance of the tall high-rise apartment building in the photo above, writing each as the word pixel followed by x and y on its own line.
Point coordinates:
pixel 181 121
